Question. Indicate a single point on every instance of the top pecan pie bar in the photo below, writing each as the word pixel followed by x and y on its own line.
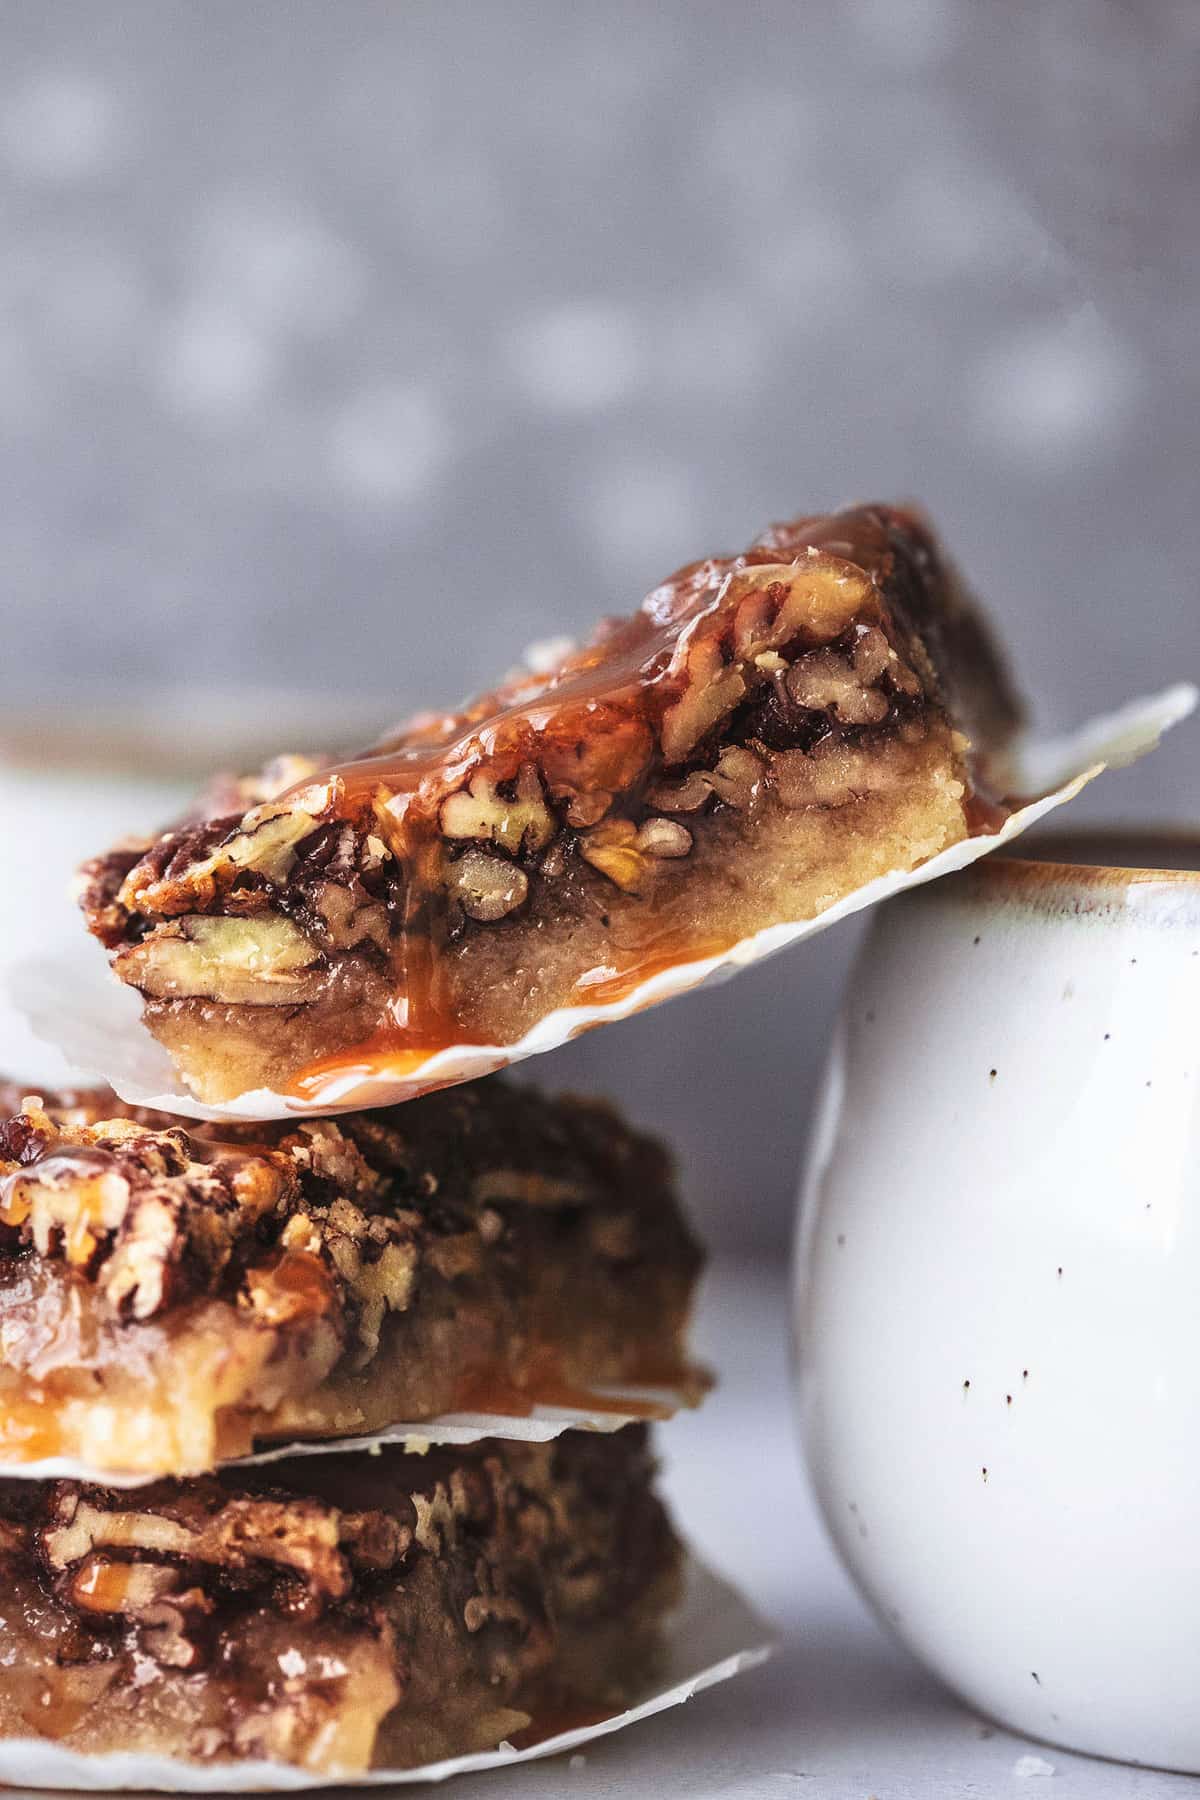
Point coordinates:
pixel 766 734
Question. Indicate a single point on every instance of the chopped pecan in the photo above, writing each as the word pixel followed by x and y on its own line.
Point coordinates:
pixel 187 872
pixel 594 752
pixel 663 837
pixel 685 796
pixel 834 773
pixel 487 887
pixel 611 849
pixel 350 920
pixel 232 1534
pixel 481 810
pixel 712 688
pixel 130 1207
pixel 153 1596
pixel 814 599
pixel 172 1629
pixel 737 777
pixel 581 810
pixel 823 681
pixel 375 1257
pixel 811 601
pixel 871 654
pixel 628 853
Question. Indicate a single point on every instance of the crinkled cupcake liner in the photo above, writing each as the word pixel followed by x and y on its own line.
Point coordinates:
pixel 536 1427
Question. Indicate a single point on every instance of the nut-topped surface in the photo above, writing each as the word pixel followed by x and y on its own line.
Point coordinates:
pixel 336 1614
pixel 169 1295
pixel 390 902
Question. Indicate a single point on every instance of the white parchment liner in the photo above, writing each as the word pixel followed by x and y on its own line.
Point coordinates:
pixel 72 1001
pixel 536 1427
pixel 712 1636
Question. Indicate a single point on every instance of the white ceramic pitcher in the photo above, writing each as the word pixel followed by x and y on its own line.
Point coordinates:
pixel 998 1295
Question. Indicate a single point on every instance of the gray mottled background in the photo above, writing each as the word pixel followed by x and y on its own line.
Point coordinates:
pixel 345 347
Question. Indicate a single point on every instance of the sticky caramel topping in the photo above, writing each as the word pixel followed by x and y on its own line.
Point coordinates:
pixel 816 668
pixel 592 721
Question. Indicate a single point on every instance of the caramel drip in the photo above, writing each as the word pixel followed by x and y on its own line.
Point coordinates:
pixel 541 1382
pixel 392 1054
pixel 554 1723
pixel 603 987
pixel 388 1053
pixel 208 1144
pixel 293 1286
pixel 985 817
pixel 617 684
pixel 29 1430
pixel 101 1586
pixel 82 1163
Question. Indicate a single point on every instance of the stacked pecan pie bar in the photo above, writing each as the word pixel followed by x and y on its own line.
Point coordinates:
pixel 173 1298
pixel 334 1613
pixel 201 1324
pixel 173 1295
pixel 763 736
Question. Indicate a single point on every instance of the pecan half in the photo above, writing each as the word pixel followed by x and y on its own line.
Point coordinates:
pixel 266 959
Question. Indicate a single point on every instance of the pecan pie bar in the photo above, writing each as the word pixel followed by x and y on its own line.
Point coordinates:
pixel 172 1295
pixel 341 1614
pixel 765 735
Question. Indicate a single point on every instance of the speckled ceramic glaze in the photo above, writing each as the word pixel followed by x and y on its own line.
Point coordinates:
pixel 998 1296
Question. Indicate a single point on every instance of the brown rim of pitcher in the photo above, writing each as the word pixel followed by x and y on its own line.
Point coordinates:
pixel 1101 854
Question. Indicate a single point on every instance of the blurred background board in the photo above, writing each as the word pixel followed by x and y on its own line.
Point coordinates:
pixel 346 348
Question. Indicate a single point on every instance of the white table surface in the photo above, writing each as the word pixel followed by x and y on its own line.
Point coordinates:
pixel 840 1713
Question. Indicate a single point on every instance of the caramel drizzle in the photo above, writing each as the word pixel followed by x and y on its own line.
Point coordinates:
pixel 627 665
pixel 545 1385
pixel 83 1163
pixel 554 1724
pixel 625 676
pixel 630 674
pixel 83 1168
